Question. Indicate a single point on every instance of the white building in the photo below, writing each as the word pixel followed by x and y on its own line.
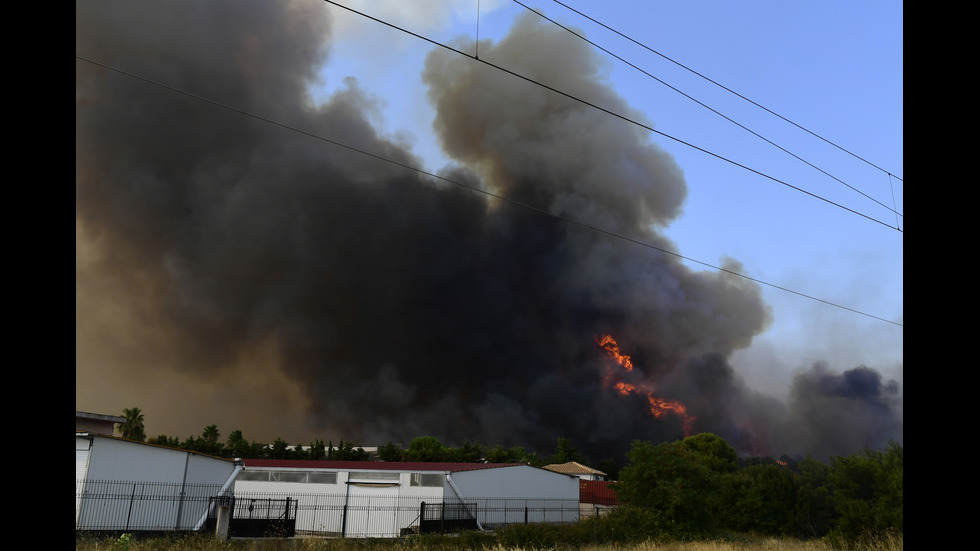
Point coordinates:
pixel 126 485
pixel 385 499
pixel 96 422
pixel 577 469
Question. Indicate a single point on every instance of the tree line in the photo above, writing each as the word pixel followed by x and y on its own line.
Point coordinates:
pixel 699 485
pixel 423 448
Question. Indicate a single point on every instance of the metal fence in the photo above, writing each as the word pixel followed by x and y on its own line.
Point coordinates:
pixel 137 506
pixel 390 516
pixel 108 505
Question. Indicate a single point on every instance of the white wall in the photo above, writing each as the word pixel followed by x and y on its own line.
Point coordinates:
pixel 522 481
pixel 383 510
pixel 503 493
pixel 375 511
pixel 125 482
pixel 112 459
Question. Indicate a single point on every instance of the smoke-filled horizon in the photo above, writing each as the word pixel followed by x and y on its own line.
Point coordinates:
pixel 353 298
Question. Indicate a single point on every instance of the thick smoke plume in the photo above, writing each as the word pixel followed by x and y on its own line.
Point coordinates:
pixel 397 304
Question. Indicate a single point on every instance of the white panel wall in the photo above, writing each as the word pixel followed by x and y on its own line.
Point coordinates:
pixel 521 481
pixel 508 495
pixel 131 496
pixel 113 459
pixel 321 505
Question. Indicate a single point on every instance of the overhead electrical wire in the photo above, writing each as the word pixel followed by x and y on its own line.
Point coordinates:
pixel 723 87
pixel 479 190
pixel 615 114
pixel 695 100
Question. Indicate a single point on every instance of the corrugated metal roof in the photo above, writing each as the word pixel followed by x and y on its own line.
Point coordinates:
pixel 599 492
pixel 573 467
pixel 403 466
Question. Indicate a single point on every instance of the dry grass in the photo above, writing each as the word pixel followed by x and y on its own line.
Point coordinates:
pixel 201 543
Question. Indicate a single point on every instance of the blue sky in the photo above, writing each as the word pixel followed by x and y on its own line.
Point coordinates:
pixel 834 68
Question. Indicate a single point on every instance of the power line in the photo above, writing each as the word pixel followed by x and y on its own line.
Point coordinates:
pixel 617 115
pixel 736 123
pixel 479 190
pixel 723 87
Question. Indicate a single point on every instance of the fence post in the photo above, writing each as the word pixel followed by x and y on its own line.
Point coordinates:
pixel 129 513
pixel 224 517
pixel 525 513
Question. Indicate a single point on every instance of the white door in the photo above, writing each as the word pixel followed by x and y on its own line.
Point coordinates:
pixel 372 510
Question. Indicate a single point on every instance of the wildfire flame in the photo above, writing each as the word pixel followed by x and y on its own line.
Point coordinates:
pixel 607 343
pixel 658 406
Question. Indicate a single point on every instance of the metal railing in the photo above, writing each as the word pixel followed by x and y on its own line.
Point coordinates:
pixel 108 505
pixel 389 516
pixel 143 506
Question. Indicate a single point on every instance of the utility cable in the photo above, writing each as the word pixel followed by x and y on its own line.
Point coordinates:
pixel 479 190
pixel 736 123
pixel 723 87
pixel 617 115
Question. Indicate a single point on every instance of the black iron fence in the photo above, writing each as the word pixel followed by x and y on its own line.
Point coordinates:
pixel 255 517
pixel 447 517
pixel 139 506
pixel 346 515
pixel 108 505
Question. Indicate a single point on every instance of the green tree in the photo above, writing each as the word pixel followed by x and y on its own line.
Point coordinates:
pixel 191 443
pixel 347 452
pixel 814 513
pixel 426 448
pixel 280 449
pixel 868 492
pixel 390 452
pixel 467 453
pixel 760 498
pixel 565 452
pixel 317 450
pixel 514 454
pixel 715 453
pixel 164 440
pixel 237 446
pixel 611 467
pixel 209 442
pixel 498 454
pixel 132 428
pixel 673 481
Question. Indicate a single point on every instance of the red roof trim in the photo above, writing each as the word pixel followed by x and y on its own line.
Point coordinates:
pixel 404 466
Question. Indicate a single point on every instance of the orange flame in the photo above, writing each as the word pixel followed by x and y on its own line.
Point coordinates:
pixel 658 406
pixel 607 343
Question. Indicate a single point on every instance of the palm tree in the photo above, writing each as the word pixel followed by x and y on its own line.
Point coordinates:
pixel 133 427
pixel 211 434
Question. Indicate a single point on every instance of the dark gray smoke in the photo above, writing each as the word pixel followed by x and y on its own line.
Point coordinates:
pixel 402 305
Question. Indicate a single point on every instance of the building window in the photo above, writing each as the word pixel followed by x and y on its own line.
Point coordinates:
pixel 373 475
pixel 262 476
pixel 290 476
pixel 323 478
pixel 429 480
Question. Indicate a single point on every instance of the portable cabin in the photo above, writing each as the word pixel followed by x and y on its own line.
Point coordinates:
pixel 387 499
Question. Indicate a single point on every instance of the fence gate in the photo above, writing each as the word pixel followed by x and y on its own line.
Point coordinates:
pixel 447 517
pixel 257 517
